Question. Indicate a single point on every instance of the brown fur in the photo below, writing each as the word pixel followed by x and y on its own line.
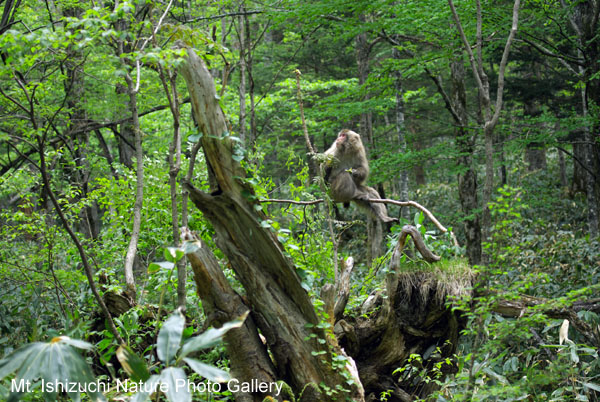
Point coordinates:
pixel 347 170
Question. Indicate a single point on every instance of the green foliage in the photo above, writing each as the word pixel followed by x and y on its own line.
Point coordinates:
pixel 56 364
pixel 171 353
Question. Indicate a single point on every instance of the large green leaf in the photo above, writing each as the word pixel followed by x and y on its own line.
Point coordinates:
pixel 212 336
pixel 169 337
pixel 176 385
pixel 207 371
pixel 134 365
pixel 11 363
pixel 55 362
pixel 146 391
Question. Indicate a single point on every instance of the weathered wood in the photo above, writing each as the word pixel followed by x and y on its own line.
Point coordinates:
pixel 427 254
pixel 412 319
pixel 248 356
pixel 282 308
pixel 343 289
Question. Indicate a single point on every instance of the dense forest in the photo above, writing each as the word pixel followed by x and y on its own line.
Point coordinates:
pixel 382 200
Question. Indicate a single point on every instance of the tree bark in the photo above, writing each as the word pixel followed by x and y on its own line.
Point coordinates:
pixel 363 54
pixel 467 181
pixel 248 356
pixel 283 310
pixel 242 87
pixel 489 119
pixel 584 17
pixel 401 129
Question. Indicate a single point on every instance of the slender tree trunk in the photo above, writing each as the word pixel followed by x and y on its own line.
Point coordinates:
pixel 174 168
pixel 363 55
pixel 242 87
pixel 419 169
pixel 130 257
pixel 584 21
pixel 401 129
pixel 489 119
pixel 535 152
pixel 249 63
pixel 125 133
pixel 562 166
pixel 467 181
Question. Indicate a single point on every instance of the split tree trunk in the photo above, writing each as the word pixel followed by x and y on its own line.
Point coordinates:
pixel 282 309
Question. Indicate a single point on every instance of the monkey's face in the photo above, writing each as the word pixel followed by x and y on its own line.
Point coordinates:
pixel 341 139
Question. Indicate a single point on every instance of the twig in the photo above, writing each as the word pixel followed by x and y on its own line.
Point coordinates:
pixel 304 129
pixel 321 179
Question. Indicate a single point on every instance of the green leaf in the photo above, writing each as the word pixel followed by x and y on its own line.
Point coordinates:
pixel 574 356
pixel 173 254
pixel 593 386
pixel 211 337
pixel 54 362
pixel 13 361
pixel 169 337
pixel 176 385
pixel 157 266
pixel 135 366
pixel 146 389
pixel 207 371
pixel 76 343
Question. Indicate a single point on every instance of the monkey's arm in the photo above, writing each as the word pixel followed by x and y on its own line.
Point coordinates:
pixel 359 174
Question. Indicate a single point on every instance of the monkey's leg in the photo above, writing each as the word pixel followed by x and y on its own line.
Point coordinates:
pixel 343 188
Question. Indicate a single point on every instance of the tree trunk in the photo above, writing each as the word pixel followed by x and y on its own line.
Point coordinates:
pixel 419 169
pixel 363 54
pixel 249 359
pixel 284 312
pixel 584 20
pixel 374 227
pixel 401 129
pixel 374 239
pixel 467 181
pixel 242 88
pixel 578 184
pixel 535 152
pixel 562 166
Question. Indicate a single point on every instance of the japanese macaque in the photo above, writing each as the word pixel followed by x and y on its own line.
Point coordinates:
pixel 346 171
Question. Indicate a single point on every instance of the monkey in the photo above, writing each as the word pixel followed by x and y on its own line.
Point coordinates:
pixel 347 170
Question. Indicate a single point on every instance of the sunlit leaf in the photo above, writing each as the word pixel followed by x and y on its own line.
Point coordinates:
pixel 135 366
pixel 169 337
pixel 176 385
pixel 211 336
pixel 207 371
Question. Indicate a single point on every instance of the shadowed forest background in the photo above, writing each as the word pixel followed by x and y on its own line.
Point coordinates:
pixel 157 180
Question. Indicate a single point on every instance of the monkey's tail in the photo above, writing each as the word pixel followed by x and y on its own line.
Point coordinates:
pixel 376 210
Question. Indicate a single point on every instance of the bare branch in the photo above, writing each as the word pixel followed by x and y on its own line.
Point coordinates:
pixel 467 46
pixel 301 105
pixel 380 201
pixel 503 62
pixel 320 200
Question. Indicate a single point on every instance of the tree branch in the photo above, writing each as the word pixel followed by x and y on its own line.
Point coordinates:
pixel 413 204
pixel 503 62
